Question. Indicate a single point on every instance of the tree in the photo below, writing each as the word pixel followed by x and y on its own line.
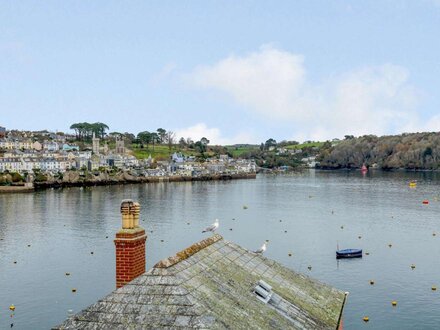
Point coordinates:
pixel 182 143
pixel 145 137
pixel 155 139
pixel 270 143
pixel 84 131
pixel 161 133
pixel 170 138
pixel 202 145
pixel 204 140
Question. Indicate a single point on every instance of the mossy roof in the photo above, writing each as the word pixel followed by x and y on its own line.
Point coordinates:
pixel 210 285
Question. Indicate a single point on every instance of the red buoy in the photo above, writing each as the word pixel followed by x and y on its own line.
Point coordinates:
pixel 425 201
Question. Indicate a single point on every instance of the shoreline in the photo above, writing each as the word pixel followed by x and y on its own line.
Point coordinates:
pixel 92 183
pixel 15 189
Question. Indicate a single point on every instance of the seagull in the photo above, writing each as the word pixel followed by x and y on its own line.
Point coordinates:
pixel 262 249
pixel 212 228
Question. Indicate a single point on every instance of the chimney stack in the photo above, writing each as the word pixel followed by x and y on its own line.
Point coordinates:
pixel 130 244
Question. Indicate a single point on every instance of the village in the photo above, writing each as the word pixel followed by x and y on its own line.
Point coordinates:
pixel 37 155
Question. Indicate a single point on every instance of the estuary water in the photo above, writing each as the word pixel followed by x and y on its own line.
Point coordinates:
pixel 53 232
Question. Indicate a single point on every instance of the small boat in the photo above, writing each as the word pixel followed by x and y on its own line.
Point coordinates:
pixel 349 253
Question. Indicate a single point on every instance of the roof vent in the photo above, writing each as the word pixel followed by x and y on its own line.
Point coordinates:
pixel 263 291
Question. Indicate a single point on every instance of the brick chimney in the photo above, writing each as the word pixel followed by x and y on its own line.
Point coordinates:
pixel 130 244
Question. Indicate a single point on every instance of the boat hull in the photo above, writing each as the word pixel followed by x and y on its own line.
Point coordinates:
pixel 348 254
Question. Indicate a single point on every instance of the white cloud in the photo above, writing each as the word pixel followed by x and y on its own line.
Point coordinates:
pixel 272 83
pixel 213 134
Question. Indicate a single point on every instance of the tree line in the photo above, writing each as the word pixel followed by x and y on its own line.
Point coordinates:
pixel 85 131
pixel 407 151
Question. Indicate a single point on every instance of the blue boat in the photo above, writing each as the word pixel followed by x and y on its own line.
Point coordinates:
pixel 349 253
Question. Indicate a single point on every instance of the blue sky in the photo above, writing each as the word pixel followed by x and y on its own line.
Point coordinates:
pixel 232 71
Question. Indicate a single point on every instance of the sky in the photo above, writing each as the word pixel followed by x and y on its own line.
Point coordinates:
pixel 232 71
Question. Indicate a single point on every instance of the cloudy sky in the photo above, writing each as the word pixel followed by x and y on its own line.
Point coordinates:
pixel 233 71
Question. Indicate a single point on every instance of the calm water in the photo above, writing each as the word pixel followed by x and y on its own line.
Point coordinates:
pixel 63 227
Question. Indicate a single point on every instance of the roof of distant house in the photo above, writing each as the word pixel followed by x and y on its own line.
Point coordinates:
pixel 211 285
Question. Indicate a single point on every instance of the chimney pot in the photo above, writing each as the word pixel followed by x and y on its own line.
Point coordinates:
pixel 130 243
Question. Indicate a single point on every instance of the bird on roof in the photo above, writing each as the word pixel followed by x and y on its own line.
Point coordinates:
pixel 212 228
pixel 262 249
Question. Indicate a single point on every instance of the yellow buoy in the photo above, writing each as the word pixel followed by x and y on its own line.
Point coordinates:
pixel 394 303
pixel 245 207
pixel 67 274
pixel 433 234
pixel 413 266
pixel 342 227
pixel 290 254
pixel 433 288
pixel 359 237
pixel 73 290
pixel 390 245
pixel 367 253
pixel 366 319
pixel 372 282
pixel 12 308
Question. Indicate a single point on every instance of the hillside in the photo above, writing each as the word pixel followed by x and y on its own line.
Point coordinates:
pixel 415 151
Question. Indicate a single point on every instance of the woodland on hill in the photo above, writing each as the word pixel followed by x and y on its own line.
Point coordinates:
pixel 415 151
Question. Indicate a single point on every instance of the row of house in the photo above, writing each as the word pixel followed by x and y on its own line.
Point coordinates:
pixel 63 162
pixel 28 144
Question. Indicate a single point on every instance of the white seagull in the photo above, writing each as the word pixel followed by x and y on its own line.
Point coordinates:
pixel 212 228
pixel 262 249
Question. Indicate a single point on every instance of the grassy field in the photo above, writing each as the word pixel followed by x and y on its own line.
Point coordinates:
pixel 160 152
pixel 305 145
pixel 238 151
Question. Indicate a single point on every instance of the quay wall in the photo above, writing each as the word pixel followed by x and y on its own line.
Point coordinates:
pixel 131 180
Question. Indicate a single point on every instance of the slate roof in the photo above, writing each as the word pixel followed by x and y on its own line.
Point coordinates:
pixel 210 285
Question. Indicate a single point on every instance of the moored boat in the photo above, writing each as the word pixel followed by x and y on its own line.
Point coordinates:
pixel 349 253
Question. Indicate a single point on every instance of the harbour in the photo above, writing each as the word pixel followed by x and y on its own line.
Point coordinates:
pixel 51 232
